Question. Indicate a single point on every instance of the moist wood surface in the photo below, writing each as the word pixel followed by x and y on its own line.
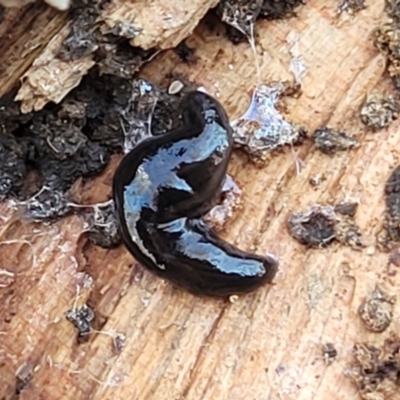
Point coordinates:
pixel 265 345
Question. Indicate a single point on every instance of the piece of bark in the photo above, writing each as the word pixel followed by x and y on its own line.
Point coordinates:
pixel 24 33
pixel 265 345
pixel 163 24
pixel 50 78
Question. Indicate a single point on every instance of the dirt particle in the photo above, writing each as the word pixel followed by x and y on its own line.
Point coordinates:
pixel 81 318
pixel 186 53
pixel 119 342
pixel 315 227
pixel 376 310
pixel 347 232
pixel 394 257
pixel 123 29
pixel 12 169
pixel 46 205
pixel 320 225
pixel 352 6
pixel 387 40
pixel 103 223
pixel 329 352
pixel 392 8
pixel 390 234
pixel 379 112
pixel 330 141
pixel 316 180
pixel 279 9
pixel 241 15
pixel 348 209
pixel 23 375
pixel 375 371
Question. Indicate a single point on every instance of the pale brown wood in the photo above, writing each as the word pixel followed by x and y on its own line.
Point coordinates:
pixel 163 24
pixel 24 33
pixel 265 345
pixel 49 78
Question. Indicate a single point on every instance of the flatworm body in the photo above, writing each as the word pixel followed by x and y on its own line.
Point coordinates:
pixel 161 190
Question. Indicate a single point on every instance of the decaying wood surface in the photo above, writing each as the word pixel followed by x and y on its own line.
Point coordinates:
pixel 265 345
pixel 24 32
pixel 162 25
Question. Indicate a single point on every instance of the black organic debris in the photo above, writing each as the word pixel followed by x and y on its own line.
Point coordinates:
pixel 379 111
pixel 376 310
pixel 320 225
pixel 387 40
pixel 375 370
pixel 279 9
pixel 82 319
pixel 330 141
pixel 104 230
pixel 240 16
pixel 77 137
pixel 390 235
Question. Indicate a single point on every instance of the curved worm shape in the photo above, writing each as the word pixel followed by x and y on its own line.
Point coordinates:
pixel 163 187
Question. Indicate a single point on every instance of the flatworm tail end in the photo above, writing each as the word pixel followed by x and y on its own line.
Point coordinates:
pixel 193 257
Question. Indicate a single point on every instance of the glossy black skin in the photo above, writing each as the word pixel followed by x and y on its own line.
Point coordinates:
pixel 162 188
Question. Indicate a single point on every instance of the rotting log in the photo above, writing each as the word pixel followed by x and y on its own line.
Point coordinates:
pixel 265 345
pixel 46 78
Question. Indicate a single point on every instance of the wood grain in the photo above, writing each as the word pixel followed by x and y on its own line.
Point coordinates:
pixel 265 345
